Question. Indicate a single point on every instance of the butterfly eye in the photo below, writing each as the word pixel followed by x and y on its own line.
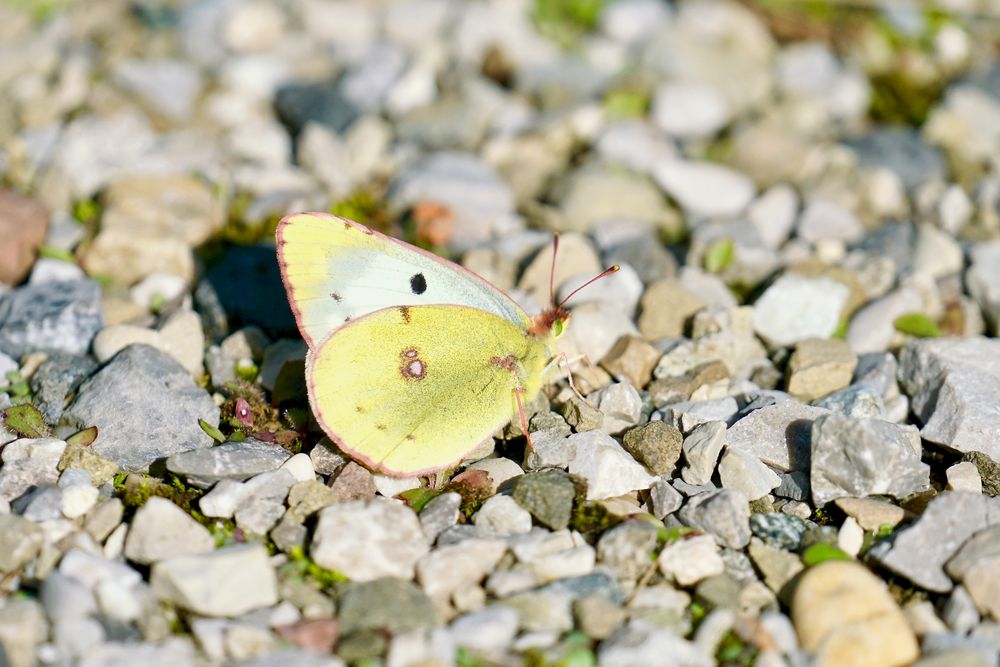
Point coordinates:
pixel 558 327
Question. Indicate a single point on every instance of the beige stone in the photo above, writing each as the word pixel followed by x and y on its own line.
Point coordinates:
pixel 871 514
pixel 666 307
pixel 844 615
pixel 632 358
pixel 819 367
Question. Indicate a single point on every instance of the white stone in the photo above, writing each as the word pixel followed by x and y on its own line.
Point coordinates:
pixel 795 308
pixel 501 516
pixel 78 499
pixel 706 188
pixel 227 582
pixel 391 487
pixel 687 561
pixel 221 502
pixel 301 467
pixel 620 406
pixel 369 539
pixel 162 530
pixel 689 109
pixel 157 286
pixel 489 629
pixel 826 220
pixel 745 472
pixel 850 537
pixel 450 568
pixel 773 214
pixel 955 209
pixel 608 469
pixel 964 476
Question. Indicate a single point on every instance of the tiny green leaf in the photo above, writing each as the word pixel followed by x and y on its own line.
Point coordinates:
pixel 212 431
pixel 719 255
pixel 53 252
pixel 86 437
pixel 917 324
pixel 25 420
pixel 419 497
pixel 819 553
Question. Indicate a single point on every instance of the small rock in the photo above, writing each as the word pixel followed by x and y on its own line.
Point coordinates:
pixel 778 530
pixel 607 468
pixel 20 542
pixel 824 220
pixel 23 627
pixel 230 460
pixel 264 502
pixel 386 604
pixel 690 559
pixel 160 530
pixel 226 582
pixel 773 214
pixel 631 360
pixel 744 472
pixel 666 307
pixel 820 367
pixel 705 188
pixel 501 516
pixel 490 629
pixel 646 644
pixel 871 514
pixel 439 514
pixel 59 376
pixel 620 406
pixel 858 401
pixel 595 194
pixel 850 537
pixel 795 308
pixel 627 549
pixel 724 513
pixel 964 477
pixel 597 616
pixel 920 551
pixel 353 482
pixel 548 495
pixel 366 540
pixel 664 499
pixel 29 463
pixel 861 457
pixel 953 384
pixel 779 435
pixel 541 611
pixel 777 566
pixel 450 568
pixel 23 225
pixel 688 109
pixel 51 316
pixel 657 445
pixel 701 452
pixel 146 407
pixel 170 87
pixel 844 614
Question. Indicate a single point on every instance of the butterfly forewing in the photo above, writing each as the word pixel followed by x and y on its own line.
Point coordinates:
pixel 336 271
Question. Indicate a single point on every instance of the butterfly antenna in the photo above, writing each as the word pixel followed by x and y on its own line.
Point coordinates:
pixel 603 274
pixel 552 270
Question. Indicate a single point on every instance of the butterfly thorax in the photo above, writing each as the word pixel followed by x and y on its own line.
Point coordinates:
pixel 549 323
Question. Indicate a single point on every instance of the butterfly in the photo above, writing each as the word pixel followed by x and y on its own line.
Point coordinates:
pixel 413 360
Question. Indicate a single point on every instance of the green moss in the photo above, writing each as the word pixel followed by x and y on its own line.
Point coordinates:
pixel 468 658
pixel 591 517
pixel 626 103
pixel 566 21
pixel 301 565
pixel 820 553
pixel 364 205
pixel 52 252
pixel 734 652
pixel 87 211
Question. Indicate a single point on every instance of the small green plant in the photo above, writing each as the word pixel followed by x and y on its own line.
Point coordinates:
pixel 917 324
pixel 566 21
pixel 419 497
pixel 26 420
pixel 626 103
pixel 301 564
pixel 820 553
pixel 719 255
pixel 17 388
pixel 212 431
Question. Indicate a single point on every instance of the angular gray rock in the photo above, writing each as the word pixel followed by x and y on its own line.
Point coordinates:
pixel 57 316
pixel 863 457
pixel 146 407
pixel 724 513
pixel 230 460
pixel 920 552
pixel 161 530
pixel 954 384
pixel 776 434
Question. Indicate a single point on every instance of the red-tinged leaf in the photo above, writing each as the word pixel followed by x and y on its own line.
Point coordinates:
pixel 86 437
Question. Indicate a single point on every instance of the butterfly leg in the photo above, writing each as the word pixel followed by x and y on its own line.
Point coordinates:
pixel 569 376
pixel 524 420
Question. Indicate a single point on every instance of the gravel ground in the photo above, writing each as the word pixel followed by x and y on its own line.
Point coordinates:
pixel 790 450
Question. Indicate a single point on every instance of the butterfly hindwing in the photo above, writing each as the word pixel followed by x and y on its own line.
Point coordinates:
pixel 336 270
pixel 411 389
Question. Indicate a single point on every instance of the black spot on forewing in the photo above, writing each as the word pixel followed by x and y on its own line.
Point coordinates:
pixel 418 284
